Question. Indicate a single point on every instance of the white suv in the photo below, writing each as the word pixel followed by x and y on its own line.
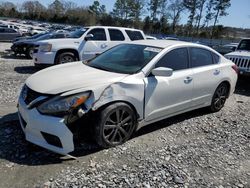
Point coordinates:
pixel 83 44
pixel 241 57
pixel 121 90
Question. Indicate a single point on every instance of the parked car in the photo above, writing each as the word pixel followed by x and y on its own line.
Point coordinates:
pixel 127 87
pixel 241 57
pixel 227 48
pixel 27 46
pixel 28 37
pixel 83 44
pixel 34 31
pixel 8 34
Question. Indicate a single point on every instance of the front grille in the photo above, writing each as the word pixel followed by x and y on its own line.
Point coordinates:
pixel 241 62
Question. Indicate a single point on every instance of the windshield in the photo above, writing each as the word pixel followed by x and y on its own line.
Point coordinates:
pixel 44 37
pixel 244 45
pixel 125 58
pixel 78 33
pixel 37 35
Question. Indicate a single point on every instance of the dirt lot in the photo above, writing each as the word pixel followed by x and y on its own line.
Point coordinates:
pixel 196 149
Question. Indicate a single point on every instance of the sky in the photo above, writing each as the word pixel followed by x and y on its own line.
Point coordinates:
pixel 238 13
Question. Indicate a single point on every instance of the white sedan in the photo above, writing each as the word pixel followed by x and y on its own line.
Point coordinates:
pixel 121 90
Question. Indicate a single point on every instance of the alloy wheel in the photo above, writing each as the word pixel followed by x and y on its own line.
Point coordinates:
pixel 220 97
pixel 118 127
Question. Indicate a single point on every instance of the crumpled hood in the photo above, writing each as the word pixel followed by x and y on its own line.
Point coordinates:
pixel 71 76
pixel 239 53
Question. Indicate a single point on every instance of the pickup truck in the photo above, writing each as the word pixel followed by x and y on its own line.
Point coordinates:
pixel 83 44
pixel 241 57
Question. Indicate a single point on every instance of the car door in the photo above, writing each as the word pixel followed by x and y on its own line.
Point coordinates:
pixel 169 95
pixel 207 74
pixel 95 45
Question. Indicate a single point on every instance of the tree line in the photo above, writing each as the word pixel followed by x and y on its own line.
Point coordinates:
pixel 153 16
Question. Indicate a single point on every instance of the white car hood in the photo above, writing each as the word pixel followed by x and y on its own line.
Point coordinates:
pixel 239 53
pixel 71 76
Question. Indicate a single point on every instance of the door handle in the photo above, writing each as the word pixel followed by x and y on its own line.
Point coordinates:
pixel 216 72
pixel 188 80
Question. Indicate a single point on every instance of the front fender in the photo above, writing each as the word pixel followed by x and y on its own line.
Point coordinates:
pixel 132 93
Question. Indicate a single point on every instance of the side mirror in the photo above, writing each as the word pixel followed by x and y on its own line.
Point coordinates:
pixel 162 71
pixel 89 36
pixel 233 48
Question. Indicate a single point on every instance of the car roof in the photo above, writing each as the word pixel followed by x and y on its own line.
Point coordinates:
pixel 165 43
pixel 112 27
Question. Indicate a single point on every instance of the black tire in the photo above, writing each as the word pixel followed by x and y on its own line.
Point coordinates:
pixel 66 57
pixel 219 97
pixel 115 125
pixel 29 53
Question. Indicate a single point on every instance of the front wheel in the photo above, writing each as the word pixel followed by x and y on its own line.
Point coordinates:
pixel 66 57
pixel 219 97
pixel 115 125
pixel 29 53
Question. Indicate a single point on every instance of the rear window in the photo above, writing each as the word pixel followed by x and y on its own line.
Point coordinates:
pixel 134 35
pixel 216 58
pixel 200 57
pixel 116 35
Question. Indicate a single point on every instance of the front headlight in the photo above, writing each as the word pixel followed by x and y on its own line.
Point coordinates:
pixel 63 105
pixel 45 47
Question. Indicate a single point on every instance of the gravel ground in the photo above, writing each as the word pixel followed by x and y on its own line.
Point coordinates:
pixel 196 149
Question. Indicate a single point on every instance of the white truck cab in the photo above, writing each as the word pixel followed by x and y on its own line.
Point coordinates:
pixel 241 57
pixel 83 44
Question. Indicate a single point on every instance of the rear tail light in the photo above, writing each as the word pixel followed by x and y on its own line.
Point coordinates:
pixel 235 68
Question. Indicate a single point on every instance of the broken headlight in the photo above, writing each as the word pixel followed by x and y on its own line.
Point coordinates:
pixel 63 105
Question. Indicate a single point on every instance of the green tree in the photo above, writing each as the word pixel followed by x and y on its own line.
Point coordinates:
pixel 219 7
pixel 191 6
pixel 33 9
pixel 174 12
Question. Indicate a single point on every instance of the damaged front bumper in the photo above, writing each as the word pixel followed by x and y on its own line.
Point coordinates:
pixel 46 131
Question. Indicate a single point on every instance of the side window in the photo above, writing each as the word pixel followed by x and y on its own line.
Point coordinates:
pixel 216 58
pixel 134 35
pixel 176 59
pixel 116 35
pixel 99 34
pixel 10 31
pixel 56 36
pixel 200 57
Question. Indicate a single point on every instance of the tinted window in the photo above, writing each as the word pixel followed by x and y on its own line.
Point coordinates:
pixel 7 30
pixel 200 57
pixel 176 59
pixel 56 36
pixel 216 58
pixel 116 35
pixel 244 45
pixel 134 35
pixel 99 34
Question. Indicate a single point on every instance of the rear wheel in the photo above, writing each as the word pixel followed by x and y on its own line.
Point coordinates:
pixel 219 97
pixel 66 57
pixel 116 124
